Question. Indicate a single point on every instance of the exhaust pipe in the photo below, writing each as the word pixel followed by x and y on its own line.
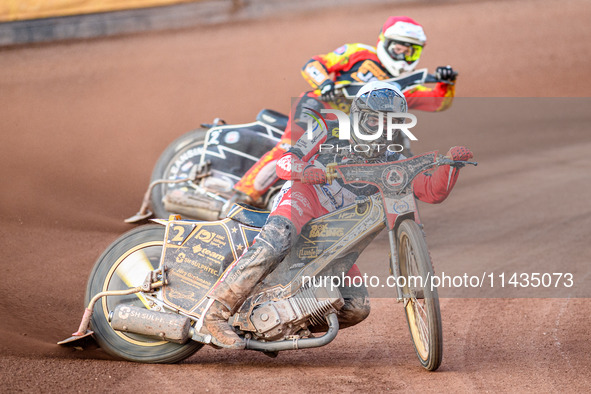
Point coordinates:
pixel 195 206
pixel 306 343
pixel 166 326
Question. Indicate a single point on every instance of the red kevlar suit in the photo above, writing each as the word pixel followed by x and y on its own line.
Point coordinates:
pixel 301 203
pixel 297 204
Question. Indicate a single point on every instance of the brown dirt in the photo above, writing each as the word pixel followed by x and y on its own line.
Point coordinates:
pixel 83 124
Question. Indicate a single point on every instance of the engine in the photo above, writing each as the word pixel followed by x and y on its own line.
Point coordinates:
pixel 284 319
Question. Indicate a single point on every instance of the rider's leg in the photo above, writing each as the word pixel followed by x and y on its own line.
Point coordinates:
pixel 271 246
pixel 261 176
pixel 356 308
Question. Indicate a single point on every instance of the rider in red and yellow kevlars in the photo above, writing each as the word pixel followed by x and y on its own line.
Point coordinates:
pixel 399 48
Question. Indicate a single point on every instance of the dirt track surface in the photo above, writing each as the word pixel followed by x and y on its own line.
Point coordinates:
pixel 83 124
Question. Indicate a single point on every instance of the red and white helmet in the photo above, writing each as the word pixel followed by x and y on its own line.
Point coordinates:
pixel 405 31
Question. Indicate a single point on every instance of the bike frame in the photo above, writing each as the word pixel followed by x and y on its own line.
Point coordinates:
pixel 221 157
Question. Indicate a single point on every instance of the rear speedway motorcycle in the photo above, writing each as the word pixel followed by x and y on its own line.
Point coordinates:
pixel 147 292
pixel 210 160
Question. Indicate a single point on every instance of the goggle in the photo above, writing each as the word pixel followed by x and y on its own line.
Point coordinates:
pixel 371 122
pixel 411 54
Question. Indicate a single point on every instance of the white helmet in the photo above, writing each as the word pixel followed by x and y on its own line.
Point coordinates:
pixel 370 109
pixel 404 31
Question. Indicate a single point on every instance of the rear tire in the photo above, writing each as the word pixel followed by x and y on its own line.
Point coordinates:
pixel 125 264
pixel 421 302
pixel 175 162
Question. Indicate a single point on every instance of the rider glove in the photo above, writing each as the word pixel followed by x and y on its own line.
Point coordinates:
pixel 313 175
pixel 460 153
pixel 327 90
pixel 446 73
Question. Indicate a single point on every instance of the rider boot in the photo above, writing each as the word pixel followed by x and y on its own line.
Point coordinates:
pixel 216 322
pixel 270 248
pixel 354 311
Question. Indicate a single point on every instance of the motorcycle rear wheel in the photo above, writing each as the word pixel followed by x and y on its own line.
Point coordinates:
pixel 421 302
pixel 175 162
pixel 125 264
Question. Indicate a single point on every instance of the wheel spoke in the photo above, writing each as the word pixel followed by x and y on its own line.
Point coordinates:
pixel 424 329
pixel 422 310
pixel 133 270
pixel 130 270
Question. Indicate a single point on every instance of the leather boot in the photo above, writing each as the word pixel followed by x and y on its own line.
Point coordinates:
pixel 355 310
pixel 216 322
pixel 270 248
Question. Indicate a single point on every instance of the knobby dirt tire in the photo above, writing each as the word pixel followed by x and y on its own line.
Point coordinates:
pixel 175 162
pixel 422 309
pixel 121 266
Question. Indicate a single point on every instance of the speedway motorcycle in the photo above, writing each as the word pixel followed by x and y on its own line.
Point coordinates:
pixel 208 161
pixel 147 292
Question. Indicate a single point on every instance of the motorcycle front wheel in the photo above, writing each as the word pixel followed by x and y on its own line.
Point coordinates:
pixel 123 265
pixel 176 162
pixel 421 302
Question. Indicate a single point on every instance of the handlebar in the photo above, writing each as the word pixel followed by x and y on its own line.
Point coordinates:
pixel 418 77
pixel 332 173
pixel 441 161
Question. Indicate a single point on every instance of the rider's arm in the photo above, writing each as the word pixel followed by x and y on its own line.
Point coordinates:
pixel 290 167
pixel 434 188
pixel 318 69
pixel 434 99
pixel 315 72
pixel 292 163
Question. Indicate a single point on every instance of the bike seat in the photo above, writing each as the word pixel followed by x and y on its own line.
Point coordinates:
pixel 248 215
pixel 273 118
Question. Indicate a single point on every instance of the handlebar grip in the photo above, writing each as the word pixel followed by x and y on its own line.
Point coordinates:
pixel 433 79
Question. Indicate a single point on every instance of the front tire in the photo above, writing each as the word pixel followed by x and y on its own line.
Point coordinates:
pixel 421 301
pixel 125 264
pixel 176 162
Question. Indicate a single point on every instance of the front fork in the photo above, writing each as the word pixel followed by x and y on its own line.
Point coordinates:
pixel 394 267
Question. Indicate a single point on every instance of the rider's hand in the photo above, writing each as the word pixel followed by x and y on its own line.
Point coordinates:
pixel 327 92
pixel 313 175
pixel 446 73
pixel 459 153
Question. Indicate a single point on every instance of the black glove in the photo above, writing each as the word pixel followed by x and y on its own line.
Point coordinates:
pixel 446 73
pixel 327 90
